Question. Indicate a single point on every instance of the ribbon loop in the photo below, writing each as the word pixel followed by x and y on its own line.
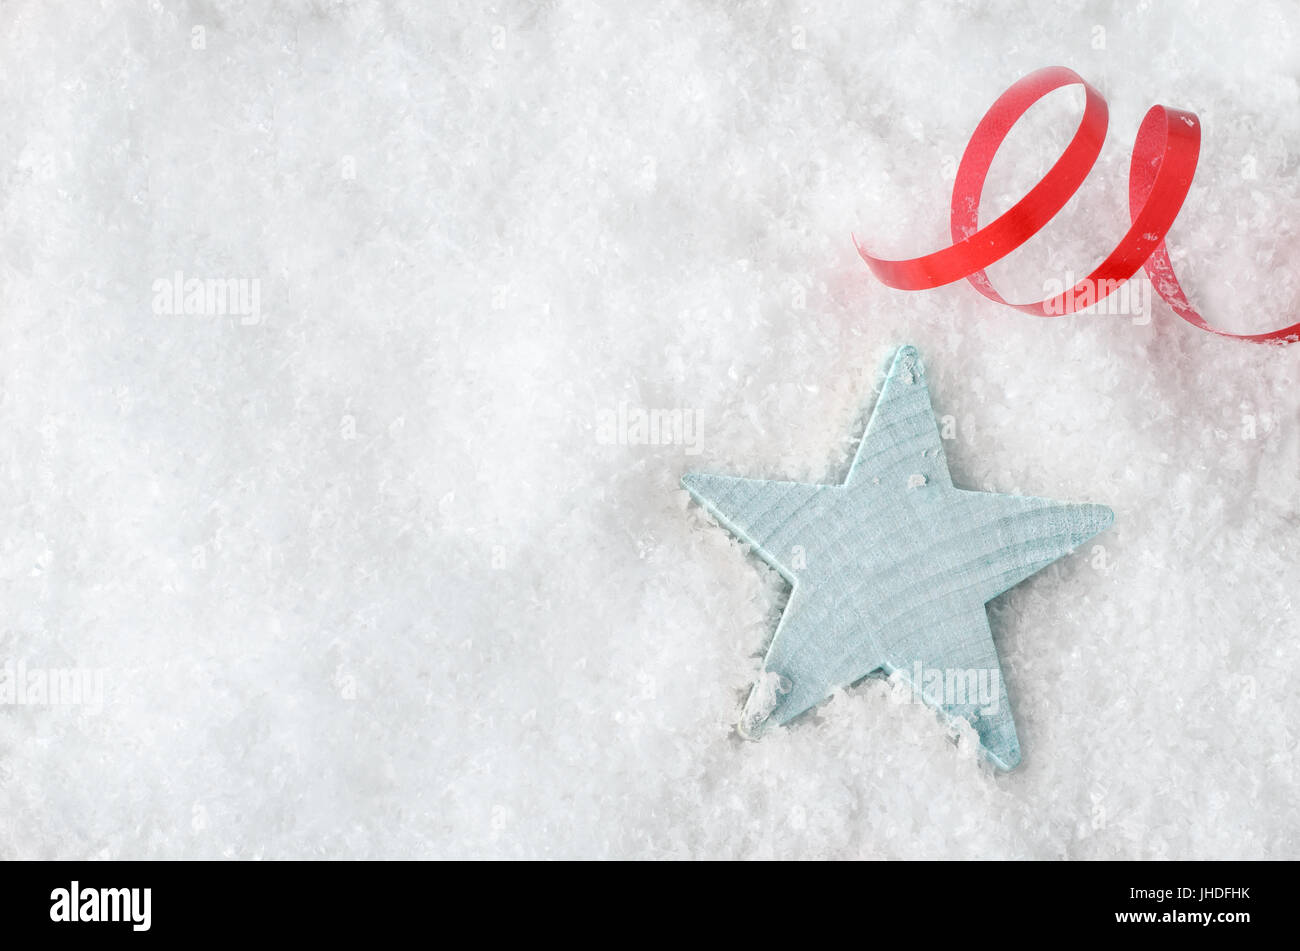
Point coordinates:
pixel 1163 165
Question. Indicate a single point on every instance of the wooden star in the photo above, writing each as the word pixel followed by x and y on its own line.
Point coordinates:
pixel 892 570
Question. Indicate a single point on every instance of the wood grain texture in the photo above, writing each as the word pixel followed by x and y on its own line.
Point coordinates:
pixel 892 569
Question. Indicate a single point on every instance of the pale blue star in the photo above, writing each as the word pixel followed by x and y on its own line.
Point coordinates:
pixel 892 570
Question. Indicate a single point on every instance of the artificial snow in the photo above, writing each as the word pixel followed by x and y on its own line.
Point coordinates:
pixel 372 568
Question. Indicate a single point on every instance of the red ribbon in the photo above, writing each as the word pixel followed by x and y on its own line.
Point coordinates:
pixel 1160 174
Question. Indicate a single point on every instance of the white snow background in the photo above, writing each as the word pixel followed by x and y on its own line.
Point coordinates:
pixel 363 579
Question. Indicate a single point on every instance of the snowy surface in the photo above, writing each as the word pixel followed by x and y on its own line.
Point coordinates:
pixel 364 576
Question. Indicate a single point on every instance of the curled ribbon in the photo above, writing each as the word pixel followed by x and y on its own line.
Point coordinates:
pixel 1160 174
